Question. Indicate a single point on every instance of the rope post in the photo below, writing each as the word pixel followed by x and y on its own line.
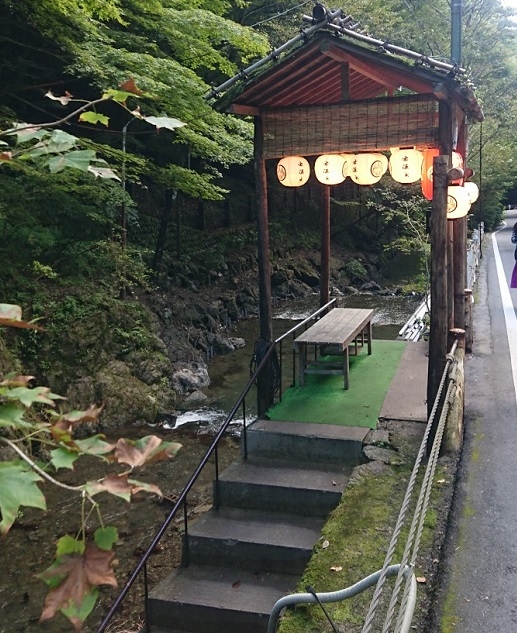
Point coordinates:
pixel 453 432
pixel 456 334
pixel 469 334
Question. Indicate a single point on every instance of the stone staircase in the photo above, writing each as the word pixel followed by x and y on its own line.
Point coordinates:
pixel 253 550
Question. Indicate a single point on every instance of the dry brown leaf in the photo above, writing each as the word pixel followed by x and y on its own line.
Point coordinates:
pixel 337 568
pixel 17 381
pixel 82 573
pixel 146 450
pixel 121 486
pixel 130 86
pixel 421 579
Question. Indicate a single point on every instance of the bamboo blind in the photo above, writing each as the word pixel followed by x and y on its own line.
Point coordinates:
pixel 375 124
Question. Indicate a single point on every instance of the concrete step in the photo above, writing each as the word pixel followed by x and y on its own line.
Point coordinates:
pixel 253 539
pixel 281 486
pixel 207 599
pixel 302 441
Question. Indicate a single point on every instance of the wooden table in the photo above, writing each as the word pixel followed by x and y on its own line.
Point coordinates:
pixel 333 334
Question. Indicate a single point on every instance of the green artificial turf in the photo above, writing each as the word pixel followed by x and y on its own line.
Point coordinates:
pixel 323 400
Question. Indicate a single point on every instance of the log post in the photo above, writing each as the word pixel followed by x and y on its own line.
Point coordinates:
pixel 469 334
pixel 460 270
pixel 439 313
pixel 450 273
pixel 264 381
pixel 453 433
pixel 325 246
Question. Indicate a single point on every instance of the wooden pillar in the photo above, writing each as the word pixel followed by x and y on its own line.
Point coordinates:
pixel 450 274
pixel 469 334
pixel 264 388
pixel 460 235
pixel 439 321
pixel 325 246
pixel 460 270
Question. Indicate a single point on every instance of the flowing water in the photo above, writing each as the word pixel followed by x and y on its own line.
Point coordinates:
pixel 229 373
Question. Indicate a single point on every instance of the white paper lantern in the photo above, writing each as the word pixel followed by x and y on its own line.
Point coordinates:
pixel 406 165
pixel 293 171
pixel 367 169
pixel 458 203
pixel 331 169
pixel 472 191
pixel 457 163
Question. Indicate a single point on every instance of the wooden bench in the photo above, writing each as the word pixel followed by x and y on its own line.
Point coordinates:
pixel 334 333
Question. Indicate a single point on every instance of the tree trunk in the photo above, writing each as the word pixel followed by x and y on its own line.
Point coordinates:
pixel 169 196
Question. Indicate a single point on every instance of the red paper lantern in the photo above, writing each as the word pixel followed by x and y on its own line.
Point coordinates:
pixel 427 172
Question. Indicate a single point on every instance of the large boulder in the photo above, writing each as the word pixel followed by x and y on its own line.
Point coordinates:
pixel 188 377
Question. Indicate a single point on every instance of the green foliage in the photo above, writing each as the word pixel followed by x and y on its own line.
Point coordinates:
pixel 28 416
pixel 17 488
pixel 354 268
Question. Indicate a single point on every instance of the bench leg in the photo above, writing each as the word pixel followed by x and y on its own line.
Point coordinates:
pixel 369 337
pixel 301 364
pixel 346 366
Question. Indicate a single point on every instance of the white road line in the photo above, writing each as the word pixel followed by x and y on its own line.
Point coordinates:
pixel 509 311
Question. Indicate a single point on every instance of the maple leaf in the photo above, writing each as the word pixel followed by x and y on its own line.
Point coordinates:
pixel 62 428
pixel 120 486
pixel 65 100
pixel 130 86
pixel 144 451
pixel 11 380
pixel 11 315
pixel 164 121
pixel 80 574
pixel 29 396
pixel 90 414
pixel 17 488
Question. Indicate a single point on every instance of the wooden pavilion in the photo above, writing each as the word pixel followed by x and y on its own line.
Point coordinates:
pixel 338 90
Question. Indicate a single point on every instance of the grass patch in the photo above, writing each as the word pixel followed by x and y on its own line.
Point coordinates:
pixel 323 400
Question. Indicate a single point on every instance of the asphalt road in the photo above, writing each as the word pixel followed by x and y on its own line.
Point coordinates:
pixel 479 588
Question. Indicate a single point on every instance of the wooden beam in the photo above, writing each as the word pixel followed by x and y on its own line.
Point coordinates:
pixel 366 69
pixel 237 108
pixel 377 72
pixel 345 82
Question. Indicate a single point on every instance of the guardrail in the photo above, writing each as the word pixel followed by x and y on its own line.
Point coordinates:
pixel 417 324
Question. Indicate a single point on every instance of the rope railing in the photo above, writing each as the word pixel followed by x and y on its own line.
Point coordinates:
pixel 420 513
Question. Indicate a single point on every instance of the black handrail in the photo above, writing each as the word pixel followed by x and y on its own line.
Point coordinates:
pixel 183 496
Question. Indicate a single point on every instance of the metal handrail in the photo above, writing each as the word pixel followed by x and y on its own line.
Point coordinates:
pixel 182 499
pixel 343 594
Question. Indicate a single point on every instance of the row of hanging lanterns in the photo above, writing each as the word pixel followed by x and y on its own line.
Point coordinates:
pixel 406 165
